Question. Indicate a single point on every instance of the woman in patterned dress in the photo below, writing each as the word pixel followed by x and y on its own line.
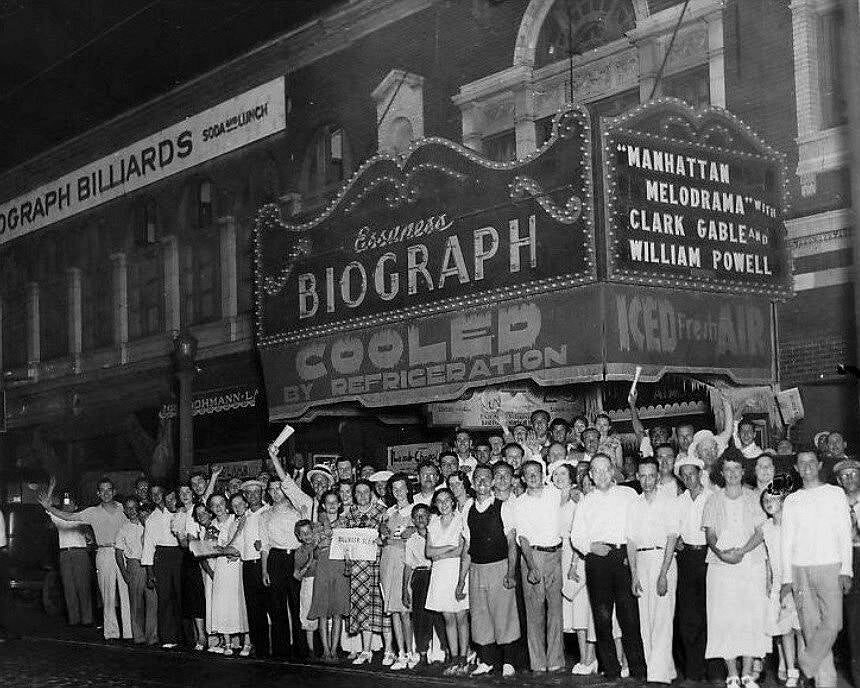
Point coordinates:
pixel 365 594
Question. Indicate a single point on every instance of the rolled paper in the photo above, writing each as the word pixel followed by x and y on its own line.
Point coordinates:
pixel 284 436
pixel 635 379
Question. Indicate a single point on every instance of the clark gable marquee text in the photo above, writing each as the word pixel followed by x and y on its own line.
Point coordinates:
pixel 437 229
pixel 693 200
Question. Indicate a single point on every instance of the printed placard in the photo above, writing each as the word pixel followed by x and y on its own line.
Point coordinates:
pixel 354 544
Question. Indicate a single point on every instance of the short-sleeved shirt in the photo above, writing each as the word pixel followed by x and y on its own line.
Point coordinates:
pixel 740 516
pixel 70 534
pixel 690 517
pixel 105 523
pixel 602 517
pixel 414 557
pixel 129 539
pixel 650 524
pixel 251 534
pixel 537 517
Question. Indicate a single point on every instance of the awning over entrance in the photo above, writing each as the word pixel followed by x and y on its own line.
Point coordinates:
pixel 586 334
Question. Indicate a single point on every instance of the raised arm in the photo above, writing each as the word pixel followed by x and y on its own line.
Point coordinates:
pixel 299 499
pixel 210 487
pixel 46 498
pixel 728 422
pixel 638 428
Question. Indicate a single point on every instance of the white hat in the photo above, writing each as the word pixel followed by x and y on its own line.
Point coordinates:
pixel 380 476
pixel 250 484
pixel 320 469
pixel 700 437
pixel 688 460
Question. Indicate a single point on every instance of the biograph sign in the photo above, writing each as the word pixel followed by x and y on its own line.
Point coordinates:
pixel 436 230
pixel 694 200
pixel 248 117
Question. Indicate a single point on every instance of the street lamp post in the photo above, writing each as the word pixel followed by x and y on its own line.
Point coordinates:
pixel 184 353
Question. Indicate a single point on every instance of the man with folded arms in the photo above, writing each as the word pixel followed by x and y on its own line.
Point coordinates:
pixel 537 513
pixel 816 565
pixel 106 519
pixel 599 532
pixel 489 561
pixel 692 547
pixel 652 530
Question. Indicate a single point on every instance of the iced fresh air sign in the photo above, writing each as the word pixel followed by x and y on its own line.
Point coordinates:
pixel 232 124
pixel 697 208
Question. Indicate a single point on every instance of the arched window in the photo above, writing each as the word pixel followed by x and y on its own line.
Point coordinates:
pixel 576 26
pixel 328 161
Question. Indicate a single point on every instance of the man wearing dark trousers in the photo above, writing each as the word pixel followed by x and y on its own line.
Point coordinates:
pixel 162 558
pixel 690 607
pixel 256 594
pixel 599 532
pixel 279 543
pixel 847 472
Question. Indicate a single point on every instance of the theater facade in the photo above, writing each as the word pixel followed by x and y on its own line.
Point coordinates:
pixel 460 205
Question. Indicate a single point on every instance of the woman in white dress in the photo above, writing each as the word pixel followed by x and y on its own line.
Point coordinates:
pixel 444 544
pixel 229 617
pixel 736 588
pixel 207 531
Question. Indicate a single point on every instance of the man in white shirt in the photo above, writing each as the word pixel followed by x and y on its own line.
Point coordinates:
pixel 428 481
pixel 847 474
pixel 652 530
pixel 463 447
pixel 256 594
pixel 489 562
pixel 692 549
pixel 76 567
pixel 816 565
pixel 537 513
pixel 144 599
pixel 162 558
pixel 745 439
pixel 667 484
pixel 599 533
pixel 106 519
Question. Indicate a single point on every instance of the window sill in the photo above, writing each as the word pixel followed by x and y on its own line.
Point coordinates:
pixel 818 152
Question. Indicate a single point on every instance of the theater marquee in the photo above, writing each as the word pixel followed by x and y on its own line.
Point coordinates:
pixel 435 230
pixel 693 200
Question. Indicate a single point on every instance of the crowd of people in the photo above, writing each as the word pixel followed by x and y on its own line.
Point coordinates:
pixel 696 552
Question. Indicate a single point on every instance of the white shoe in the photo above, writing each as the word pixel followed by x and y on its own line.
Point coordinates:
pixel 245 651
pixel 168 646
pixel 508 670
pixel 472 657
pixel 401 663
pixel 748 682
pixel 792 679
pixel 625 672
pixel 480 670
pixel 363 657
pixel 413 659
pixel 581 669
pixel 388 659
pixel 216 650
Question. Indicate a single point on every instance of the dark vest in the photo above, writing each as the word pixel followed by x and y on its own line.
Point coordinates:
pixel 488 543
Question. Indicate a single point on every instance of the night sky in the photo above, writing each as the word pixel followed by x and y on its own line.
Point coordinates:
pixel 99 72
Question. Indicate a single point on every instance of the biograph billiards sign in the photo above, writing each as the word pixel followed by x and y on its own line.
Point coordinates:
pixel 436 229
pixel 693 199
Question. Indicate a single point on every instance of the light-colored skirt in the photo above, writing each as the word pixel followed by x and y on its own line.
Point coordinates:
pixel 780 618
pixel 228 598
pixel 736 608
pixel 391 578
pixel 444 575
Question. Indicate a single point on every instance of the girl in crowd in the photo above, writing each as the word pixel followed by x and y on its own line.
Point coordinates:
pixel 330 602
pixel 365 596
pixel 305 570
pixel 736 590
pixel 229 617
pixel 396 528
pixel 461 487
pixel 576 614
pixel 351 644
pixel 781 619
pixel 207 531
pixel 192 590
pixel 444 545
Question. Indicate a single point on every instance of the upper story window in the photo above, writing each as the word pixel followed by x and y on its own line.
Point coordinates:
pixel 501 147
pixel 327 161
pixel 204 203
pixel 692 86
pixel 576 26
pixel 201 280
pixel 53 319
pixel 831 83
pixel 147 229
pixel 146 293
